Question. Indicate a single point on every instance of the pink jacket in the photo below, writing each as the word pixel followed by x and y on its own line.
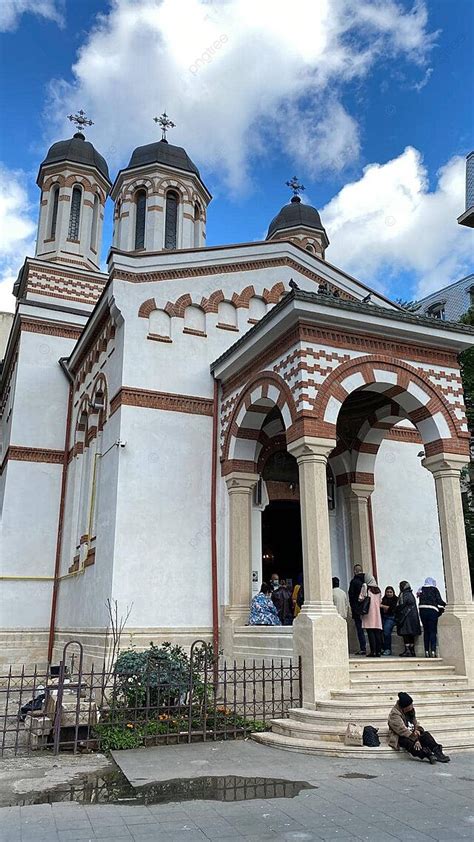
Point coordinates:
pixel 373 619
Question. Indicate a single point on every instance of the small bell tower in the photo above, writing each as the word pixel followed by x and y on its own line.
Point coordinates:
pixel 160 199
pixel 74 182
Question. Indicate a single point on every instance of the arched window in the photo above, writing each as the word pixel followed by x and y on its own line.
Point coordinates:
pixel 140 218
pixel 331 487
pixel 257 308
pixel 171 220
pixel 54 212
pixel 75 216
pixel 310 248
pixel 197 217
pixel 226 314
pixel 95 222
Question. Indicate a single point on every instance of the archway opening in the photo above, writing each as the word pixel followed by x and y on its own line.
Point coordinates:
pixel 281 519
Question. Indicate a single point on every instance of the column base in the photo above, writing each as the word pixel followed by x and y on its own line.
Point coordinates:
pixel 321 640
pixel 232 616
pixel 456 639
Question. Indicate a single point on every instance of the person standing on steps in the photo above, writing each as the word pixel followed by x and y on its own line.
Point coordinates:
pixel 406 732
pixel 407 619
pixel 431 607
pixel 281 597
pixel 387 608
pixel 339 597
pixel 372 619
pixel 354 592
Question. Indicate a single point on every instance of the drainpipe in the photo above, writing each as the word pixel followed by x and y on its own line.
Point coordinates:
pixel 215 597
pixel 62 502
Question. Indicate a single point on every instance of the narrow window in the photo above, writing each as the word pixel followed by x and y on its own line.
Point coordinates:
pixel 197 218
pixel 140 217
pixel 75 217
pixel 331 489
pixel 95 222
pixel 171 221
pixel 54 212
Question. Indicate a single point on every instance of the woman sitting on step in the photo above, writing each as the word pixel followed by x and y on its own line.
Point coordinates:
pixel 406 732
pixel 407 619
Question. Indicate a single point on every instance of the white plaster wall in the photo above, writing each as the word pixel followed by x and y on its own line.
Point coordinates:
pixel 28 532
pixel 162 557
pixel 6 321
pixel 405 518
pixel 41 393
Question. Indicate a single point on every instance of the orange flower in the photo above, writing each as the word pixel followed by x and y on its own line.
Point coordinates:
pixel 130 725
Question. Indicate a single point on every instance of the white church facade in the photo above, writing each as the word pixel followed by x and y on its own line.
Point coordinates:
pixel 178 428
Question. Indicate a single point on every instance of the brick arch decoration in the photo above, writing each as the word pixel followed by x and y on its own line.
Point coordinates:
pixel 243 436
pixel 100 386
pixel 166 184
pixel 407 388
pixel 136 184
pixel 211 304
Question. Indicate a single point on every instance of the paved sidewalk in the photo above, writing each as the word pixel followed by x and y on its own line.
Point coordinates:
pixel 404 800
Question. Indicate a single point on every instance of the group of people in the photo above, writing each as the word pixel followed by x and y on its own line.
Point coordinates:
pixel 276 604
pixel 377 615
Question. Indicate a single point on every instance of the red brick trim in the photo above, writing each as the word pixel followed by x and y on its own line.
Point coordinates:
pixel 146 308
pixel 50 328
pixel 240 465
pixel 157 338
pixel 194 332
pixel 227 327
pixel 145 398
pixel 19 453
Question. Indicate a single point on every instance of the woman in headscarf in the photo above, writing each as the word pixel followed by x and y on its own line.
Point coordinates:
pixel 262 609
pixel 372 620
pixel 431 607
pixel 407 619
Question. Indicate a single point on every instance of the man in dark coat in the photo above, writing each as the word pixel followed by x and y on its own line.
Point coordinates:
pixel 355 587
pixel 281 598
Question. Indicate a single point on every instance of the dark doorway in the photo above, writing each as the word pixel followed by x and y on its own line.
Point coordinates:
pixel 281 540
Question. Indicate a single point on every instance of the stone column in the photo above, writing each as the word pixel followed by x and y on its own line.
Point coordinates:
pixel 240 487
pixel 319 633
pixel 456 626
pixel 357 497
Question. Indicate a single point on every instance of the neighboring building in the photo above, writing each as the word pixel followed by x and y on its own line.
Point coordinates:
pixel 6 321
pixel 449 303
pixel 467 218
pixel 150 413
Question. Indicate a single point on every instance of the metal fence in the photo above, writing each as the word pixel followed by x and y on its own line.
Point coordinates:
pixel 172 701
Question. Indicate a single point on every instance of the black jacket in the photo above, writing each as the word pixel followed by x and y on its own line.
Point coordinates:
pixel 406 614
pixel 281 599
pixel 430 597
pixel 355 588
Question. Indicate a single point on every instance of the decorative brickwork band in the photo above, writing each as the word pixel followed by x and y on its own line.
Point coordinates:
pixel 147 399
pixel 18 453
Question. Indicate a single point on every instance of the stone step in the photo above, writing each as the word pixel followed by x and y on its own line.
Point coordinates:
pixel 424 704
pixel 406 674
pixel 409 680
pixel 393 662
pixel 331 748
pixel 463 730
pixel 372 671
pixel 390 693
pixel 375 716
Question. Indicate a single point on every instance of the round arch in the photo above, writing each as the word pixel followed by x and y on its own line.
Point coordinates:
pixel 263 393
pixel 409 391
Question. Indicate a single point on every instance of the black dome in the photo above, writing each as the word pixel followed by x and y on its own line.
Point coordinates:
pixel 162 152
pixel 293 215
pixel 78 150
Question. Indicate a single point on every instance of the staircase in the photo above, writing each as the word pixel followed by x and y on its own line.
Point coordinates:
pixel 444 705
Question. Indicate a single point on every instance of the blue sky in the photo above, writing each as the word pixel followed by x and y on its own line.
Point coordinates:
pixel 370 104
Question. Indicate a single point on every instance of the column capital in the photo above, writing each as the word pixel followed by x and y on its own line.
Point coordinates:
pixel 361 490
pixel 311 449
pixel 241 481
pixel 445 463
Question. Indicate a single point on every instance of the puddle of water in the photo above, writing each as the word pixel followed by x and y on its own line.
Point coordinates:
pixel 357 775
pixel 114 788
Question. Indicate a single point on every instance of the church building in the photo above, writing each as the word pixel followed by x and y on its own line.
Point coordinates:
pixel 181 426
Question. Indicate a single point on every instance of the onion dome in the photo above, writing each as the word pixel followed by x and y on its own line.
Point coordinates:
pixel 76 150
pixel 162 152
pixel 296 215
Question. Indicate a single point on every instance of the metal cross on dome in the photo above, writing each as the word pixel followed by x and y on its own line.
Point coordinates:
pixel 164 123
pixel 80 120
pixel 295 185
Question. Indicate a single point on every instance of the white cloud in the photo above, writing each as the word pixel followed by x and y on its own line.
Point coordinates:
pixel 12 10
pixel 389 222
pixel 17 231
pixel 230 73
